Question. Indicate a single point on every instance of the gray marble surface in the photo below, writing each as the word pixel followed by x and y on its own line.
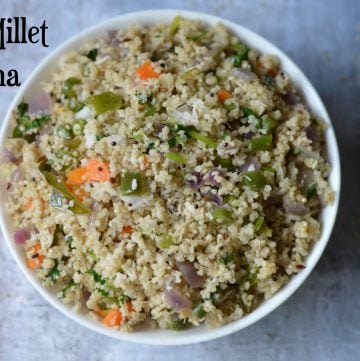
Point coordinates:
pixel 322 320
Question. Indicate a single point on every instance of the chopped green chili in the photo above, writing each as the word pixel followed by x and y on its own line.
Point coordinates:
pixel 263 142
pixel 269 124
pixel 174 26
pixel 229 106
pixel 68 88
pixel 131 184
pixel 197 37
pixel 222 216
pixel 259 223
pixel 203 138
pixel 104 102
pixel 72 143
pixel 165 241
pixel 176 157
pixel 254 180
pixel 226 163
pixel 268 169
pixel 78 207
pixel 228 198
pixel 189 73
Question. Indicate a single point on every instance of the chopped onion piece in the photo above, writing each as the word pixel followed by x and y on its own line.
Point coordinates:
pixel 40 103
pixel 186 115
pixel 176 300
pixel 195 181
pixel 9 157
pixel 250 165
pixel 243 74
pixel 215 173
pixel 21 235
pixel 190 274
pixel 295 209
pixel 291 98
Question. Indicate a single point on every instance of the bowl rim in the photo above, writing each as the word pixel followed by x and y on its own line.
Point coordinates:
pixel 185 337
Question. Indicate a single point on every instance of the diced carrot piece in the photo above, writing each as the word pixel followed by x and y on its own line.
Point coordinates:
pixel 80 194
pixel 28 205
pixel 146 71
pixel 35 248
pixel 97 170
pixel 113 318
pixel 102 312
pixel 78 191
pixel 34 263
pixel 76 176
pixel 273 72
pixel 146 162
pixel 223 95
pixel 130 307
pixel 127 230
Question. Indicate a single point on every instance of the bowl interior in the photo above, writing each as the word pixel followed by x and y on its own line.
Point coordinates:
pixel 164 337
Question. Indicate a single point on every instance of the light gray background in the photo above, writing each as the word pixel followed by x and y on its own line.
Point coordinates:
pixel 322 320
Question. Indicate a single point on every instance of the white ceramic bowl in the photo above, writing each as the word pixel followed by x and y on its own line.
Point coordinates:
pixel 196 334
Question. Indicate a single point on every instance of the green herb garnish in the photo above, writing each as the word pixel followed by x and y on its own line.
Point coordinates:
pixel 199 311
pixel 178 325
pixel 241 53
pixel 96 276
pixel 226 259
pixel 197 37
pixel 92 54
pixel 54 273
pixel 311 191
